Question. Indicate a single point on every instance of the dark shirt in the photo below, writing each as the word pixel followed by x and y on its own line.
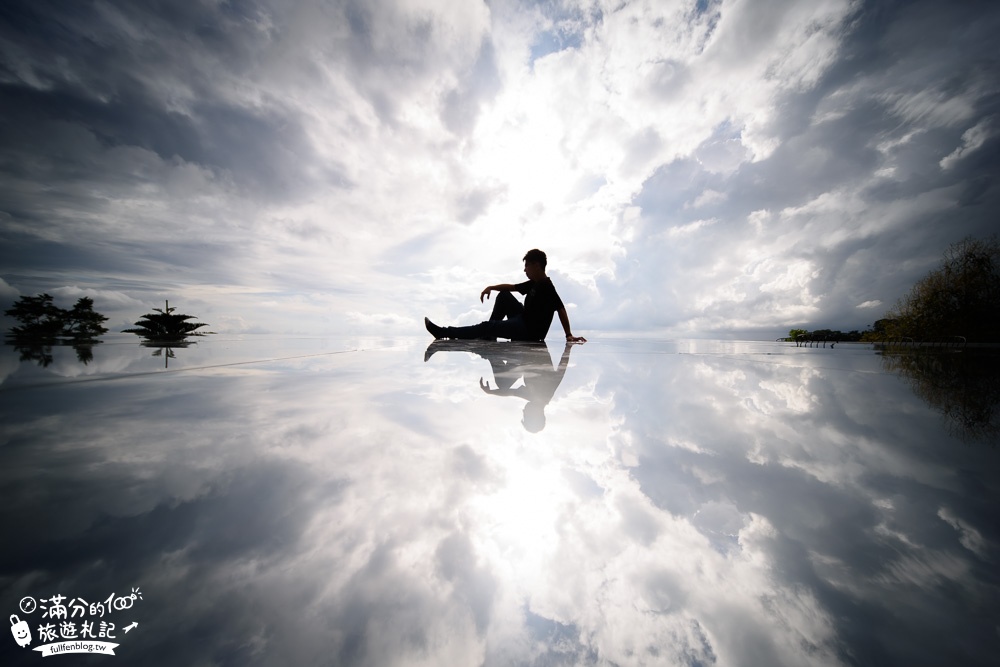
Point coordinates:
pixel 540 302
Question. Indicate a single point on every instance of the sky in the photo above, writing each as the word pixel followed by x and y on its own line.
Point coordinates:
pixel 692 169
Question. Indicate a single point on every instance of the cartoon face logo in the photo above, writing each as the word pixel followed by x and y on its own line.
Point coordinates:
pixel 22 635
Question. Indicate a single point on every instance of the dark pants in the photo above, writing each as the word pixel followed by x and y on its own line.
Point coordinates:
pixel 506 321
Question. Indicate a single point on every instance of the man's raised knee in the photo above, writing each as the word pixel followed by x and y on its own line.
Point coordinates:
pixel 507 297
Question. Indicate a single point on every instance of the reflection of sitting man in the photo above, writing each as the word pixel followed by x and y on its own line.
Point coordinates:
pixel 529 362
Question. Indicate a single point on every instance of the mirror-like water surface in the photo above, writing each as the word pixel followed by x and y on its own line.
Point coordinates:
pixel 388 503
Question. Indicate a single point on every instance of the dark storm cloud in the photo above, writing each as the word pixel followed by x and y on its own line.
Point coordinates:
pixel 190 143
pixel 104 101
pixel 148 76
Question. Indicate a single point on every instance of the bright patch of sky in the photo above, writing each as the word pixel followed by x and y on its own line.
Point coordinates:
pixel 691 168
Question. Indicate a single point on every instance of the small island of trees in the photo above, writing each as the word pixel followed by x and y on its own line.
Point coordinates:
pixel 960 300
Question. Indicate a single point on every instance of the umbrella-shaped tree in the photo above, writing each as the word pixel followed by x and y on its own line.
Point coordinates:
pixel 165 325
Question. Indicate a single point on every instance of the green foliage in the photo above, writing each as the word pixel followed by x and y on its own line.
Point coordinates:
pixel 83 322
pixel 835 335
pixel 878 332
pixel 42 320
pixel 961 298
pixel 824 335
pixel 165 325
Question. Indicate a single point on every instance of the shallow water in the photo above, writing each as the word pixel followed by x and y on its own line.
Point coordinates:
pixel 305 501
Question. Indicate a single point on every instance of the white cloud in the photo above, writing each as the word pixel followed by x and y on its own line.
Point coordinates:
pixel 690 228
pixel 386 322
pixel 969 537
pixel 972 139
pixel 102 298
pixel 8 292
pixel 708 197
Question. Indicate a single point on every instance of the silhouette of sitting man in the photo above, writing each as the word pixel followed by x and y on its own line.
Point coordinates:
pixel 511 319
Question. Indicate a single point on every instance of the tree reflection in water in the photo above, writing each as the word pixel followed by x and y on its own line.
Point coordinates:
pixel 165 350
pixel 41 353
pixel 963 385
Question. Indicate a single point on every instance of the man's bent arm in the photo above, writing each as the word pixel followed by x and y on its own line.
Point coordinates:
pixel 496 288
pixel 564 319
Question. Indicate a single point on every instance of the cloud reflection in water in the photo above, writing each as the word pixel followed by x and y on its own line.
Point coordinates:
pixel 754 506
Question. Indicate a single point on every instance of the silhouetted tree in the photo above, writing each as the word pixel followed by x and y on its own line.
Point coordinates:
pixel 42 320
pixel 880 331
pixel 820 335
pixel 165 325
pixel 961 298
pixel 83 322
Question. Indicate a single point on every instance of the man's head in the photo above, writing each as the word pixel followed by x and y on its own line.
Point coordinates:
pixel 534 264
pixel 533 419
